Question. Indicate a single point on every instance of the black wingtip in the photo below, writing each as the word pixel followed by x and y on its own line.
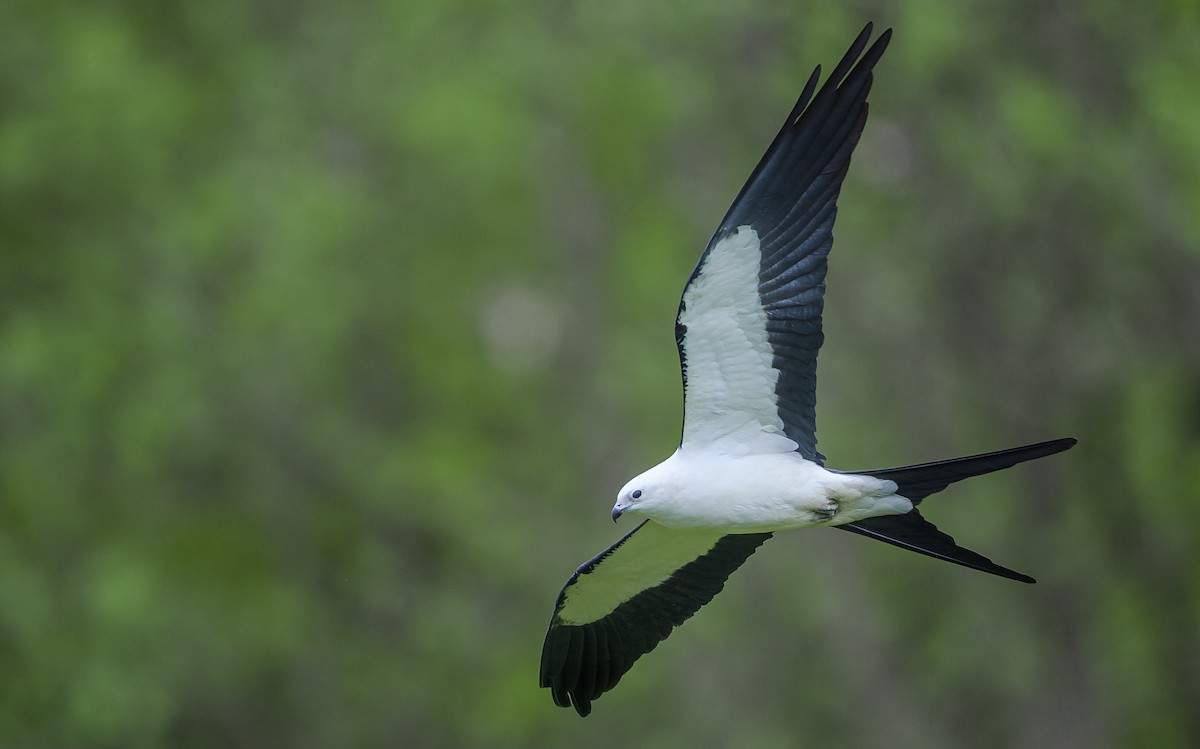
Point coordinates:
pixel 863 36
pixel 868 28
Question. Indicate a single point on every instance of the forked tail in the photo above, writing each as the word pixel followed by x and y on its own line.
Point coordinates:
pixel 913 532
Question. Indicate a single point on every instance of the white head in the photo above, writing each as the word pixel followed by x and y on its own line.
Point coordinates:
pixel 646 493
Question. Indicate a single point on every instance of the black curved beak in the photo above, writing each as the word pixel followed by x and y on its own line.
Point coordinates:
pixel 616 513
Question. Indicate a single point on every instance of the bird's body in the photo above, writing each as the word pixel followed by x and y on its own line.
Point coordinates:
pixel 748 332
pixel 706 487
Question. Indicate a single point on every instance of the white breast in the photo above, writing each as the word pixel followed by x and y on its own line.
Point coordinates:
pixel 766 492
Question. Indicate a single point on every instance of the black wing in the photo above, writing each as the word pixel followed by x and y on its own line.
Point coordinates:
pixel 787 207
pixel 621 604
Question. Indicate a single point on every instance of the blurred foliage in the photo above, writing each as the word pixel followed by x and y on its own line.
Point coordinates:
pixel 328 332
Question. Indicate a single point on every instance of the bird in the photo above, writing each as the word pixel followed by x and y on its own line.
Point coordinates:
pixel 748 331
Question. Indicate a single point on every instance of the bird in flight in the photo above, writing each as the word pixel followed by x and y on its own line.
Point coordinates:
pixel 748 331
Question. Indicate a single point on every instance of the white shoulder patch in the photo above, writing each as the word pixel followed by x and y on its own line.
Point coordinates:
pixel 730 380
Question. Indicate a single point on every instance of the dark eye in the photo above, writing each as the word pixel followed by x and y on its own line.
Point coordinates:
pixel 636 493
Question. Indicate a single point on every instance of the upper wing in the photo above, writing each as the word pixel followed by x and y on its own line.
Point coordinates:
pixel 749 323
pixel 622 603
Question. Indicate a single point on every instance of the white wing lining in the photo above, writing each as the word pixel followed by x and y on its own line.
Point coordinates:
pixel 730 378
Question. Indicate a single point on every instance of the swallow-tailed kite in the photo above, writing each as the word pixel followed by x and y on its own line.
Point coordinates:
pixel 748 332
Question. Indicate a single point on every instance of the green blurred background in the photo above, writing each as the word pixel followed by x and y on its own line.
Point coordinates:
pixel 329 331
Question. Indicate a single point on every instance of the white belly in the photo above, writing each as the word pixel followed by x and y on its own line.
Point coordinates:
pixel 778 491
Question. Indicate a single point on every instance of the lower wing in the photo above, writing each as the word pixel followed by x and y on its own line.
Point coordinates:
pixel 621 604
